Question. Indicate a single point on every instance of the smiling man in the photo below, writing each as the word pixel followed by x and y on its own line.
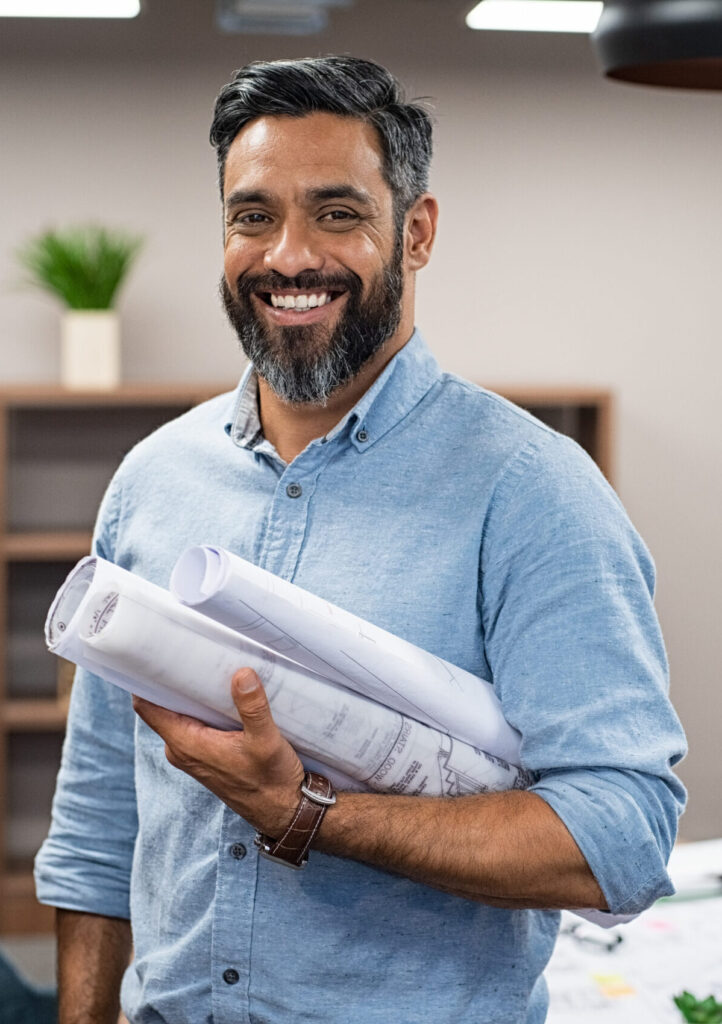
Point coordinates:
pixel 348 462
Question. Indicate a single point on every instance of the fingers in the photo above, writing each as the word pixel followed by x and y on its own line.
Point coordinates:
pixel 178 731
pixel 252 704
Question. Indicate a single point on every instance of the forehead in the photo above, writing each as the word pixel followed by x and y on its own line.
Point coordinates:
pixel 276 153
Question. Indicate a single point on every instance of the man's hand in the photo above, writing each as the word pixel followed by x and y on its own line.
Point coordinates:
pixel 257 773
pixel 507 849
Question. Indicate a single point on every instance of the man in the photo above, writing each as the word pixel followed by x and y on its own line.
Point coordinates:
pixel 350 464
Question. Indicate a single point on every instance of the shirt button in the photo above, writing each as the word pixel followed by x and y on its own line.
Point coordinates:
pixel 362 435
pixel 294 491
pixel 238 851
pixel 231 976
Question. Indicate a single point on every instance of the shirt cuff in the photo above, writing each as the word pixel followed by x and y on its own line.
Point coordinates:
pixel 624 823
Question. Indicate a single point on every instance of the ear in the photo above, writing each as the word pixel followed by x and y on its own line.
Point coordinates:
pixel 420 231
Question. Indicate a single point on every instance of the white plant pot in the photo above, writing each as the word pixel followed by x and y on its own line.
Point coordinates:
pixel 90 349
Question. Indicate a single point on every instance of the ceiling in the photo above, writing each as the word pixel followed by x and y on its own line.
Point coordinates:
pixel 405 31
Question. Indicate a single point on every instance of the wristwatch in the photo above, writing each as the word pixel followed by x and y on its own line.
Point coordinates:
pixel 317 795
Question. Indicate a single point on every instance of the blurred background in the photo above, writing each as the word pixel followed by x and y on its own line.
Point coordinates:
pixel 578 246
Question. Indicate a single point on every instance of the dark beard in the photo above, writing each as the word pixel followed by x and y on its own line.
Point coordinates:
pixel 304 364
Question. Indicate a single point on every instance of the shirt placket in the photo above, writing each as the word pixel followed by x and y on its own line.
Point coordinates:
pixel 288 515
pixel 237 876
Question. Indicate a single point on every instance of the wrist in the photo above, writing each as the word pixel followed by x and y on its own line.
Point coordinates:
pixel 316 795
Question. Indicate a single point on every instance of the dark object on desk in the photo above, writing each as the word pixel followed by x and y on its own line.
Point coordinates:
pixel 593 935
pixel 699 1011
pixel 22 1003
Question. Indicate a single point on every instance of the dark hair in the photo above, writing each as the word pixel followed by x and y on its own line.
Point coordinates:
pixel 347 86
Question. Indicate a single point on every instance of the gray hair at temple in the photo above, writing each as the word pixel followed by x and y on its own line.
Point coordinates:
pixel 346 86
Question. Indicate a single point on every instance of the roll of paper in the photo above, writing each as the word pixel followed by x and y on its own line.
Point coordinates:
pixel 344 648
pixel 136 635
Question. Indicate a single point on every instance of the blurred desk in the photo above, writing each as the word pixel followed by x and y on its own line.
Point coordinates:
pixel 675 945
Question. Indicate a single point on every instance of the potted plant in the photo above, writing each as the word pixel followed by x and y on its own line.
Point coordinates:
pixel 84 267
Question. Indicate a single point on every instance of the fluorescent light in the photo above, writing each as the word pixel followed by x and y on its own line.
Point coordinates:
pixel 536 15
pixel 69 8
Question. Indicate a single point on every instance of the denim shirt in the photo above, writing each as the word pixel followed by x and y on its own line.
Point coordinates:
pixel 445 514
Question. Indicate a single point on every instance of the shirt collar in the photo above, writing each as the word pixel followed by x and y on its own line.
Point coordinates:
pixel 244 426
pixel 413 371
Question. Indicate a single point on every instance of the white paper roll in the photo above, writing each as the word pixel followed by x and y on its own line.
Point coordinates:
pixel 136 635
pixel 344 648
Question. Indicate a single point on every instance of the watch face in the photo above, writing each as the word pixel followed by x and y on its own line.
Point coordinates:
pixel 265 845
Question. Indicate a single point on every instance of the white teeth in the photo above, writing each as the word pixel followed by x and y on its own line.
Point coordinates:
pixel 309 301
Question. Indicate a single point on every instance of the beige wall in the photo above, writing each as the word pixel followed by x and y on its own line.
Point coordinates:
pixel 579 243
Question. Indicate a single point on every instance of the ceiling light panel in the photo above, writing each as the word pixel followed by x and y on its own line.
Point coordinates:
pixel 283 17
pixel 536 15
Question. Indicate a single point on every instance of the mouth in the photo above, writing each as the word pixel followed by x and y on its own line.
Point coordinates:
pixel 300 302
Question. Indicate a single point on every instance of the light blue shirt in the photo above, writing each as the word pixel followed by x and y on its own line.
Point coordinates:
pixel 447 515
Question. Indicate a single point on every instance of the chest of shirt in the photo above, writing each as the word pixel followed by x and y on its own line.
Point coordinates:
pixel 391 534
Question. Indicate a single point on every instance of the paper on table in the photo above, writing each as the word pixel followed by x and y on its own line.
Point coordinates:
pixel 344 648
pixel 135 635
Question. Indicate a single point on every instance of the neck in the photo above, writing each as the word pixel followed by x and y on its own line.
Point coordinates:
pixel 291 427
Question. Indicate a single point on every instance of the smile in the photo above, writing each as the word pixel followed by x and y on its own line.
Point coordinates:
pixel 300 302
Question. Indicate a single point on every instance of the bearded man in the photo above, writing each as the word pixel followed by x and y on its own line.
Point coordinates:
pixel 349 463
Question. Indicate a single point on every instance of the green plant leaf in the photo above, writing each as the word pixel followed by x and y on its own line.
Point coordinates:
pixel 696 1011
pixel 83 266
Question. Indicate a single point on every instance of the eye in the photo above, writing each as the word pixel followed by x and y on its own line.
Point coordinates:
pixel 338 218
pixel 248 220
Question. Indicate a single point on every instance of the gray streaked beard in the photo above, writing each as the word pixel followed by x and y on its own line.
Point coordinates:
pixel 299 368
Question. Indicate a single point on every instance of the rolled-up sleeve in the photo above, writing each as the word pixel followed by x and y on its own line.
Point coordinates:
pixel 85 862
pixel 579 664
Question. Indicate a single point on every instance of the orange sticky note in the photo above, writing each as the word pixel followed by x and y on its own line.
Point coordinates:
pixel 613 986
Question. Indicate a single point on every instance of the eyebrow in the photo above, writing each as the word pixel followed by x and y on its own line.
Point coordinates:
pixel 241 196
pixel 340 192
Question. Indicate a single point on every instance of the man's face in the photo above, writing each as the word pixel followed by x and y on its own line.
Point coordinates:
pixel 313 266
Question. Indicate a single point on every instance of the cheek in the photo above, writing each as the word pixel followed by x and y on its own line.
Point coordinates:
pixel 238 256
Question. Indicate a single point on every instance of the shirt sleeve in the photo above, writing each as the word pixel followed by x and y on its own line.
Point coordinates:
pixel 578 662
pixel 85 862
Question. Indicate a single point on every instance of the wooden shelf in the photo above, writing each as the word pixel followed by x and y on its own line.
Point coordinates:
pixel 52 396
pixel 58 449
pixel 44 714
pixel 46 547
pixel 20 912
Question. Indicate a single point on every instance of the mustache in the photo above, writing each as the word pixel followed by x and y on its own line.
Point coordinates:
pixel 307 280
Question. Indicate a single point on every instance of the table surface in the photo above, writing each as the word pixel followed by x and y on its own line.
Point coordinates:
pixel 675 945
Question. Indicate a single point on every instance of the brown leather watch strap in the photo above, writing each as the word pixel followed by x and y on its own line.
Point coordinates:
pixel 317 795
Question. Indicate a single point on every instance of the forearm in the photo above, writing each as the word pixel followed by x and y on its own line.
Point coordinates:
pixel 93 953
pixel 506 849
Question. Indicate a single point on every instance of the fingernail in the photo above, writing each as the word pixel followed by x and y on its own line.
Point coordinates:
pixel 246 680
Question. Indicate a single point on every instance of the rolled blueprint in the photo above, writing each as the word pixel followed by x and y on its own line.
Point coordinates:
pixel 344 648
pixel 136 635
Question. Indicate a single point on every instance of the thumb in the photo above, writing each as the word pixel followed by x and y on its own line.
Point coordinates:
pixel 251 702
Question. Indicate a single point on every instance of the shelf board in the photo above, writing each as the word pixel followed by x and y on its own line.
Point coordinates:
pixel 53 396
pixel 547 395
pixel 20 912
pixel 67 545
pixel 43 714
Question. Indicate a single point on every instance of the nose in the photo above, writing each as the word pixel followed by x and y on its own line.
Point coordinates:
pixel 293 249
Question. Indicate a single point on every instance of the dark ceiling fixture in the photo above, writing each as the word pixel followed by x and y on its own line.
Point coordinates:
pixel 675 43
